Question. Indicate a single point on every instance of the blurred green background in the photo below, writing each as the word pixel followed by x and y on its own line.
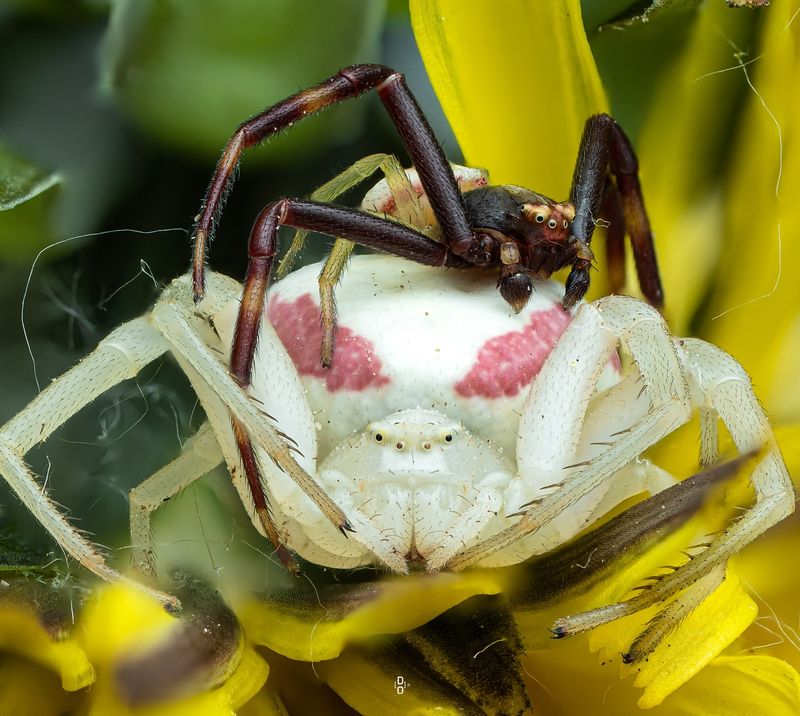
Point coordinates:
pixel 112 116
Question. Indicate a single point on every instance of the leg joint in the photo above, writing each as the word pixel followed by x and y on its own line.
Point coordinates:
pixel 366 77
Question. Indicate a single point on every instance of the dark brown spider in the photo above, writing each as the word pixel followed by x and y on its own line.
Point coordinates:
pixel 525 234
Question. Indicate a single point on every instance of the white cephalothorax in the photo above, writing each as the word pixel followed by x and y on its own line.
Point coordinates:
pixel 419 476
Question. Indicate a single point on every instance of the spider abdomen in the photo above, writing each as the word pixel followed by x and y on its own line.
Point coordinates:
pixel 401 345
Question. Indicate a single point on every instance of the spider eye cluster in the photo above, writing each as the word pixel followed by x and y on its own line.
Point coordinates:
pixel 415 436
pixel 541 213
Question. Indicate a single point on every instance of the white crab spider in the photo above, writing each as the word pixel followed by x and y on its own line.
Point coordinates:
pixel 569 448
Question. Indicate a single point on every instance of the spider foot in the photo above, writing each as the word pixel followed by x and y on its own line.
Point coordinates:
pixel 288 560
pixel 667 619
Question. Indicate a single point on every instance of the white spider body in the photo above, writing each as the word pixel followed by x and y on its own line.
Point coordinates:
pixel 408 339
pixel 415 474
pixel 557 453
pixel 402 347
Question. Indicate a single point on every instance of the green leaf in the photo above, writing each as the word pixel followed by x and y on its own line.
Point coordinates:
pixel 21 181
pixel 27 198
pixel 190 74
pixel 657 39
pixel 50 118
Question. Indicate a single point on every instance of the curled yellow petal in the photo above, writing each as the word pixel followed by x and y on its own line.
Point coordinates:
pixel 317 628
pixel 517 82
pixel 735 685
pixel 121 621
pixel 702 636
pixel 22 633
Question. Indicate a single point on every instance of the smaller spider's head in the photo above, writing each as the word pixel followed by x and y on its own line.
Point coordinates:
pixel 513 212
pixel 547 221
pixel 532 235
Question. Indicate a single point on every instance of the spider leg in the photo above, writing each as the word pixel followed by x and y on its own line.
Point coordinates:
pixel 721 386
pixel 329 277
pixel 200 455
pixel 403 195
pixel 555 412
pixel 423 148
pixel 611 212
pixel 121 355
pixel 358 172
pixel 605 147
pixel 365 229
pixel 238 419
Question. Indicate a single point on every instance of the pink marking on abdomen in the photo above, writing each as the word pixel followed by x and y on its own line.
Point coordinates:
pixel 355 366
pixel 508 363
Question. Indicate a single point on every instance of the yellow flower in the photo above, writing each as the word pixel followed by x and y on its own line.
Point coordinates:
pixel 123 655
pixel 517 81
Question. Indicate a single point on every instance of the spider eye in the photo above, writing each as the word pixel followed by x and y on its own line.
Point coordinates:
pixel 400 445
pixel 565 223
pixel 539 218
pixel 378 438
pixel 552 223
pixel 448 438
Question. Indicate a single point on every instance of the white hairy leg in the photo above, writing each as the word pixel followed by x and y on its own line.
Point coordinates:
pixel 557 446
pixel 210 377
pixel 118 357
pixel 719 386
pixel 199 456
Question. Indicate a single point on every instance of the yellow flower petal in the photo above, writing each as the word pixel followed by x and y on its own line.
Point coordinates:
pixel 22 633
pixel 759 307
pixel 676 153
pixel 517 82
pixel 308 630
pixel 369 684
pixel 711 627
pixel 264 703
pixel 121 621
pixel 736 685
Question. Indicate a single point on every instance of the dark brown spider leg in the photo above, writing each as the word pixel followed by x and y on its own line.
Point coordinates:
pixel 421 144
pixel 333 220
pixel 611 212
pixel 352 224
pixel 604 147
pixel 260 501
